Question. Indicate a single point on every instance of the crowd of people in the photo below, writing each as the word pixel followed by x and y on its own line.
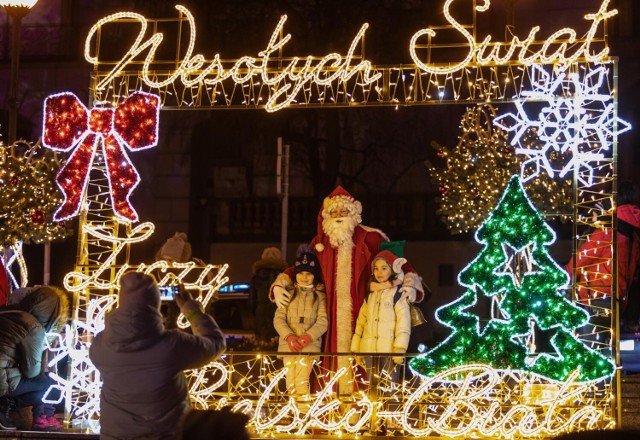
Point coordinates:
pixel 349 291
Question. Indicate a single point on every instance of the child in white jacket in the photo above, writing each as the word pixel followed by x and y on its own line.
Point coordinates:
pixel 303 322
pixel 384 321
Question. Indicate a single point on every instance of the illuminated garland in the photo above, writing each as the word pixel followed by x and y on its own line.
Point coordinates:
pixel 68 123
pixel 192 71
pixel 474 173
pixel 28 196
pixel 515 267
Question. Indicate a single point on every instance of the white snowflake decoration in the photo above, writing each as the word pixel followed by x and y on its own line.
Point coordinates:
pixel 578 118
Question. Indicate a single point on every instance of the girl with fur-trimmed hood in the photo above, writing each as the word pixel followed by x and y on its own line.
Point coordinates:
pixel 23 328
pixel 384 320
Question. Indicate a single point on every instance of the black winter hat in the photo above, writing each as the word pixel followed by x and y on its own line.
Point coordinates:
pixel 306 261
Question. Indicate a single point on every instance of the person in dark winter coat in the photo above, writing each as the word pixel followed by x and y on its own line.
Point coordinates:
pixel 265 271
pixel 22 340
pixel 144 391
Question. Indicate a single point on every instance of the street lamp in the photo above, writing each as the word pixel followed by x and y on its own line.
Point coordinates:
pixel 16 10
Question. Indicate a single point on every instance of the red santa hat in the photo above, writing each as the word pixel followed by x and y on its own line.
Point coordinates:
pixel 392 260
pixel 339 197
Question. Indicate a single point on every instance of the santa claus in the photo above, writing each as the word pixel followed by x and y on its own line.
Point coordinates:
pixel 345 250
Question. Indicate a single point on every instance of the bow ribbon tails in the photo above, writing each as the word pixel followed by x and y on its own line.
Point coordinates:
pixel 68 124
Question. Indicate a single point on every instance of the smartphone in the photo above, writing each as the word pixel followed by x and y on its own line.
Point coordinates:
pixel 168 293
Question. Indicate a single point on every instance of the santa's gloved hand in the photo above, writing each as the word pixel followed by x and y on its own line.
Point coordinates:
pixel 408 293
pixel 281 296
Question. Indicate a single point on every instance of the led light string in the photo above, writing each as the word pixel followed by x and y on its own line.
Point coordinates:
pixel 479 82
pixel 300 74
pixel 550 409
pixel 583 123
pixel 17 257
pixel 405 86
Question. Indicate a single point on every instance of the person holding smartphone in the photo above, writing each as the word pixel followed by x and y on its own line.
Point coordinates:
pixel 144 391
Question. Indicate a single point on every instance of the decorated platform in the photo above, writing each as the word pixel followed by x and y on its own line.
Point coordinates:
pixel 542 362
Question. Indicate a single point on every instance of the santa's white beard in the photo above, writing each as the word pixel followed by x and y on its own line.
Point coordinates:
pixel 339 230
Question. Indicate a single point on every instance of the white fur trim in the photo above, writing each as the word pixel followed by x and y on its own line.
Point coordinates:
pixel 343 299
pixel 397 265
pixel 344 317
pixel 319 247
pixel 413 280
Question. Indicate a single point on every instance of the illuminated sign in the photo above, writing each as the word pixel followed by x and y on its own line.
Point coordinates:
pixel 467 407
pixel 289 77
pixel 502 53
pixel 206 279
pixel 330 68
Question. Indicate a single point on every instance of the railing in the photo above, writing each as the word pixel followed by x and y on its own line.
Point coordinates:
pixel 376 395
pixel 255 219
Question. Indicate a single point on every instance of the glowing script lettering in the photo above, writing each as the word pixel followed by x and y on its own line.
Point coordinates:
pixel 286 83
pixel 564 38
pixel 466 406
pixel 205 279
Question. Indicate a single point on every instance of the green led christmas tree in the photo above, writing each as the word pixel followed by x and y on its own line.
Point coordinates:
pixel 515 271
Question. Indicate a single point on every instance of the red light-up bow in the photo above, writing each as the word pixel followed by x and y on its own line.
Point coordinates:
pixel 68 123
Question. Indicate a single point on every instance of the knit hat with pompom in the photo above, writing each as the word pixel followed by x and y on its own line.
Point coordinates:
pixel 306 261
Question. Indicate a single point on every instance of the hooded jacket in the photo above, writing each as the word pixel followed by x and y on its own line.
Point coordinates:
pixel 22 334
pixel 144 390
pixel 384 320
pixel 306 313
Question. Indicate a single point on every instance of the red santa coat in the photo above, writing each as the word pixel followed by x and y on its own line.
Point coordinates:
pixel 594 264
pixel 366 245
